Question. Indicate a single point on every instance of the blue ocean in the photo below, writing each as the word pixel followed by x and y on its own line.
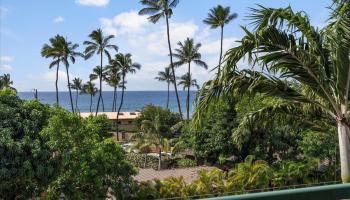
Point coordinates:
pixel 133 100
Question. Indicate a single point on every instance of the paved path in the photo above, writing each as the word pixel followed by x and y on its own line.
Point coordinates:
pixel 189 174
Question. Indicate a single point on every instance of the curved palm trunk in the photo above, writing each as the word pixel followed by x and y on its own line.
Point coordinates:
pixel 70 91
pixel 57 69
pixel 167 101
pixel 188 92
pixel 344 150
pixel 120 106
pixel 90 103
pixel 172 66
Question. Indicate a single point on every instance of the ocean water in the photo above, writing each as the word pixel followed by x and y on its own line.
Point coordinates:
pixel 133 100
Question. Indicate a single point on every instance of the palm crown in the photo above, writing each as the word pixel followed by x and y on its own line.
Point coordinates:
pixel 99 44
pixel 125 63
pixel 158 8
pixel 165 75
pixel 98 72
pixel 189 52
pixel 77 84
pixel 219 16
pixel 89 88
pixel 187 82
pixel 287 45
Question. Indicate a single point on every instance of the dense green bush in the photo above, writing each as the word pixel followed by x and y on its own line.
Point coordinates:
pixel 51 150
pixel 248 175
pixel 142 161
pixel 185 162
pixel 90 164
pixel 26 163
pixel 166 117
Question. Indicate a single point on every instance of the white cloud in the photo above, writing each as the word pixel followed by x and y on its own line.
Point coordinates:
pixel 5 68
pixel 213 47
pixel 6 58
pixel 58 19
pixel 49 78
pixel 127 22
pixel 92 2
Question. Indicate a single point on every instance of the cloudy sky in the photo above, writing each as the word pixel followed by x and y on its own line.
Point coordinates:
pixel 26 25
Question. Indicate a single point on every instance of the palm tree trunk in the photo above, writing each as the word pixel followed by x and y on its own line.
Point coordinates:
pixel 99 97
pixel 114 91
pixel 76 100
pixel 70 91
pixel 160 159
pixel 172 66
pixel 188 92
pixel 222 38
pixel 103 103
pixel 167 101
pixel 90 103
pixel 344 148
pixel 57 69
pixel 100 94
pixel 121 104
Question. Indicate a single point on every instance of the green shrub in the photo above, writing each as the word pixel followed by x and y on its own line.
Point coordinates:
pixel 185 162
pixel 142 161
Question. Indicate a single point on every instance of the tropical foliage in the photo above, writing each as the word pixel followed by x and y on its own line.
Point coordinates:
pixel 307 56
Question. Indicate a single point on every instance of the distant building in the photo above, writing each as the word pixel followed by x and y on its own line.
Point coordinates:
pixel 126 120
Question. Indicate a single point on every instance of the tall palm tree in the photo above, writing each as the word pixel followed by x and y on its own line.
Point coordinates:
pixel 187 82
pixel 99 44
pixel 89 88
pixel 52 50
pixel 218 17
pixel 187 53
pixel 77 86
pixel 165 76
pixel 155 132
pixel 101 74
pixel 114 80
pixel 126 66
pixel 318 60
pixel 159 9
pixel 6 82
pixel 65 52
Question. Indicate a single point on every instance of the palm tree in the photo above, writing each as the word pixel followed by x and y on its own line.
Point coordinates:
pixel 77 86
pixel 154 132
pixel 187 82
pixel 218 17
pixel 318 60
pixel 100 45
pixel 114 80
pixel 186 53
pixel 64 52
pixel 101 74
pixel 6 82
pixel 52 50
pixel 252 174
pixel 158 9
pixel 165 76
pixel 89 88
pixel 126 66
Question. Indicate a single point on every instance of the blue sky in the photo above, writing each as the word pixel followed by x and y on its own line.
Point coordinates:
pixel 26 25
